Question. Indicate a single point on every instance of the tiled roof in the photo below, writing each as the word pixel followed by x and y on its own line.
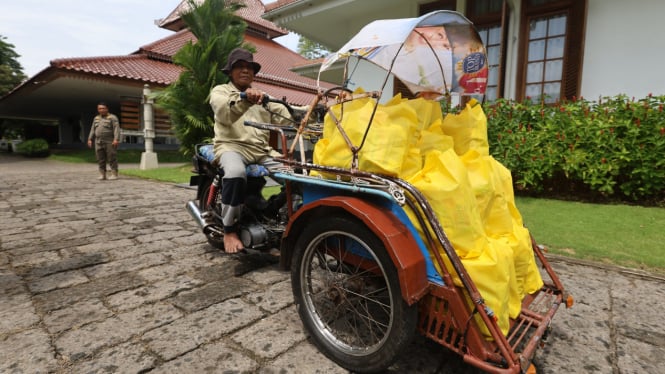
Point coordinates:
pixel 164 49
pixel 152 64
pixel 174 15
pixel 251 13
pixel 292 96
pixel 276 62
pixel 134 67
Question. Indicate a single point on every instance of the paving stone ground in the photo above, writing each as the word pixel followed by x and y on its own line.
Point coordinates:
pixel 114 277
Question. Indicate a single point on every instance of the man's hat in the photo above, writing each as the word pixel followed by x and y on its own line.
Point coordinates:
pixel 240 54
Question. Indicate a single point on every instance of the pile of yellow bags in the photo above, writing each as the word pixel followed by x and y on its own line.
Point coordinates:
pixel 447 159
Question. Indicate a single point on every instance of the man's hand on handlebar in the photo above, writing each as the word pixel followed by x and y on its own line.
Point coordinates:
pixel 253 95
pixel 296 113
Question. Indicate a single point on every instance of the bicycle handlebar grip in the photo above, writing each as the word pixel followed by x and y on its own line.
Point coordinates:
pixel 264 99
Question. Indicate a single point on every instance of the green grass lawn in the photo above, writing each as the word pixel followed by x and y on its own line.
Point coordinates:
pixel 173 174
pixel 124 156
pixel 625 235
pixel 631 236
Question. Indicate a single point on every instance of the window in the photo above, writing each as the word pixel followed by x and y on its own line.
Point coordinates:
pixel 551 49
pixel 544 68
pixel 491 37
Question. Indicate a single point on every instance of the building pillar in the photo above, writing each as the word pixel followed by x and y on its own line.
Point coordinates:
pixel 149 157
pixel 64 132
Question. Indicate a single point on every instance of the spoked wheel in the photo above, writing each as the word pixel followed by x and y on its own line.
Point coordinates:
pixel 215 240
pixel 348 295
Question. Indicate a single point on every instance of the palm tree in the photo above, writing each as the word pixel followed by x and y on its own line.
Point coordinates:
pixel 218 31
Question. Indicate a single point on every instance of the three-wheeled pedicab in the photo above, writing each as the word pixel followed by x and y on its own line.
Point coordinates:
pixel 406 224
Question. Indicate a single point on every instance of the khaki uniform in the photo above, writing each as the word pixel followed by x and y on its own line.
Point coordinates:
pixel 104 131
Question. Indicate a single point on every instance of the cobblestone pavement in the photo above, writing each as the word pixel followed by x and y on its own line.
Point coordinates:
pixel 114 276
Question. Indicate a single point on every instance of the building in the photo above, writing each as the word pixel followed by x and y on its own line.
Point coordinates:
pixel 62 98
pixel 536 48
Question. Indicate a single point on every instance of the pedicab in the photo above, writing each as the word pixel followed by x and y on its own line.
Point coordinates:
pixel 403 223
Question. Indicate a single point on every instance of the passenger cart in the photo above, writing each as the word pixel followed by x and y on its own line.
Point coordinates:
pixel 374 256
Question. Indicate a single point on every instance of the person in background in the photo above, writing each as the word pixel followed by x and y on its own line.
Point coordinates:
pixel 105 132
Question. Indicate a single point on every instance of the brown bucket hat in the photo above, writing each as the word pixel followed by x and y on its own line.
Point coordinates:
pixel 240 54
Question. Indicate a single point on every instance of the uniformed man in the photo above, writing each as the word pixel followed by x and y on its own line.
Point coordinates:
pixel 105 131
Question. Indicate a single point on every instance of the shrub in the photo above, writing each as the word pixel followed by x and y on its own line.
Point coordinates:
pixel 612 148
pixel 34 148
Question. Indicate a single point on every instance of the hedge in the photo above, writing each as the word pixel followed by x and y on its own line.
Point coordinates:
pixel 33 148
pixel 612 148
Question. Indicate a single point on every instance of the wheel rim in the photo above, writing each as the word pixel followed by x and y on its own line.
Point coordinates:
pixel 346 294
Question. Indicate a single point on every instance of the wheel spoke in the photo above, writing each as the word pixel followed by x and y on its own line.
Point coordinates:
pixel 349 300
pixel 347 290
pixel 363 317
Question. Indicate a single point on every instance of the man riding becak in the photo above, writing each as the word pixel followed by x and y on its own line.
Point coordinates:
pixel 237 145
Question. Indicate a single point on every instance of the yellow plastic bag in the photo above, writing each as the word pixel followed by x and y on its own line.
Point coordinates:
pixel 519 238
pixel 385 145
pixel 493 274
pixel 468 129
pixel 331 149
pixel 470 192
pixel 444 181
pixel 394 132
pixel 496 207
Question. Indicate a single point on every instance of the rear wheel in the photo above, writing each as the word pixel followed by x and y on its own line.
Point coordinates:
pixel 215 240
pixel 348 296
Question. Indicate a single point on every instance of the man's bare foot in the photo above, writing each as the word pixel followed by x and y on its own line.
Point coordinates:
pixel 232 243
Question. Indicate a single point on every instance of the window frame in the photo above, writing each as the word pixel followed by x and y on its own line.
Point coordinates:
pixel 571 75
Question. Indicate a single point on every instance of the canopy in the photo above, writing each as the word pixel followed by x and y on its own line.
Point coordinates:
pixel 439 52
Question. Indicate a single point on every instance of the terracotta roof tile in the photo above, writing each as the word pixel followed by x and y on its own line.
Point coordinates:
pixel 251 13
pixel 164 49
pixel 174 15
pixel 292 96
pixel 133 67
pixel 276 62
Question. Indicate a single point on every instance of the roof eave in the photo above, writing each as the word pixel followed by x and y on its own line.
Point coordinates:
pixel 276 10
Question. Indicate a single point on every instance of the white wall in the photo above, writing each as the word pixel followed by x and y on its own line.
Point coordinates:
pixel 512 49
pixel 624 49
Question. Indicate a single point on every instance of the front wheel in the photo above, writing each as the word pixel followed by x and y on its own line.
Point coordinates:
pixel 348 296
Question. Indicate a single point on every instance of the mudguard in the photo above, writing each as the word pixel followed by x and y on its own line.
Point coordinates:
pixel 397 239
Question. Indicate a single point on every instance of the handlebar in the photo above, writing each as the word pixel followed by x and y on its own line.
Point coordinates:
pixel 296 114
pixel 267 99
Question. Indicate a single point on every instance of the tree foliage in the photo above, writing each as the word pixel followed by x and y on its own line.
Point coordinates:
pixel 11 72
pixel 311 50
pixel 218 31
